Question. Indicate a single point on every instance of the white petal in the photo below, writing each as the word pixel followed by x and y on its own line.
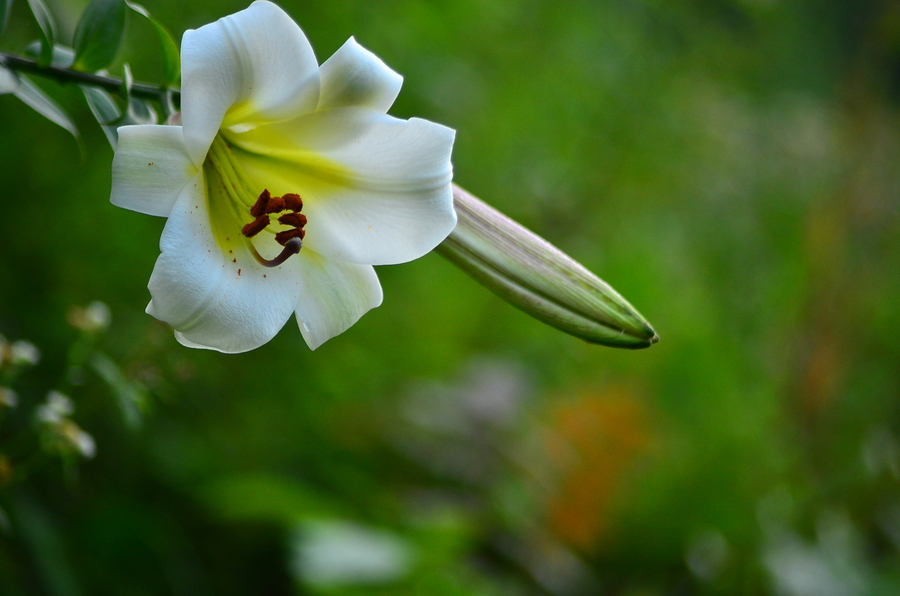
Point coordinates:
pixel 150 168
pixel 355 77
pixel 211 301
pixel 253 66
pixel 335 295
pixel 376 188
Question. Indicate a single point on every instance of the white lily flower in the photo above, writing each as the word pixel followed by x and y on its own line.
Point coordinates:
pixel 265 133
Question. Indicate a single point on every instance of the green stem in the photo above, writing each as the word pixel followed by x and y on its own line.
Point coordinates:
pixel 68 75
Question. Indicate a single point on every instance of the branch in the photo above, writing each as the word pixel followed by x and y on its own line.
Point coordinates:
pixel 67 75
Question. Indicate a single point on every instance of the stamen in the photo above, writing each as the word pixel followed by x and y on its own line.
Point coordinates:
pixel 291 240
pixel 293 219
pixel 256 226
pixel 293 202
pixel 291 247
pixel 283 237
pixel 259 207
pixel 275 205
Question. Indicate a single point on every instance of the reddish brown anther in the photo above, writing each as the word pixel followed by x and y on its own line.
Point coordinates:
pixel 282 237
pixel 256 226
pixel 291 240
pixel 259 207
pixel 298 220
pixel 293 202
pixel 275 205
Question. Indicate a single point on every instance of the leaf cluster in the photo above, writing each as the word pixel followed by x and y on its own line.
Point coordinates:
pixel 98 38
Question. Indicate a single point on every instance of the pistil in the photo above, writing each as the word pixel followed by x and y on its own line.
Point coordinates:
pixel 291 247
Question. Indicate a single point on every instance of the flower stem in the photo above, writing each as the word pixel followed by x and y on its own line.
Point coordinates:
pixel 68 75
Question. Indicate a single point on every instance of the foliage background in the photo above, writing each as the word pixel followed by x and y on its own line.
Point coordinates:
pixel 730 166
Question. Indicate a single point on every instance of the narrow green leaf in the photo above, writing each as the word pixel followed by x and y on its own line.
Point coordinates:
pixel 141 112
pixel 5 5
pixel 127 82
pixel 99 34
pixel 39 531
pixel 9 82
pixel 168 103
pixel 138 110
pixel 132 399
pixel 37 100
pixel 63 56
pixel 48 30
pixel 170 55
pixel 105 110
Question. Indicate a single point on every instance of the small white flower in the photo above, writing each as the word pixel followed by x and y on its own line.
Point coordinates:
pixel 82 442
pixel 8 397
pixel 331 553
pixel 93 319
pixel 47 415
pixel 265 133
pixel 60 403
pixel 24 352
pixel 58 406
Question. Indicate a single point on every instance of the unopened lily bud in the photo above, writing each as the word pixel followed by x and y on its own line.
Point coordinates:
pixel 538 278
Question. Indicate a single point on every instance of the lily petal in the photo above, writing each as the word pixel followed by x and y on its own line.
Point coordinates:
pixel 210 300
pixel 250 67
pixel 334 296
pixel 355 77
pixel 150 168
pixel 376 188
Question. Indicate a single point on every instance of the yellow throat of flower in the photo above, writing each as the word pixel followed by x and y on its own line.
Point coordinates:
pixel 239 212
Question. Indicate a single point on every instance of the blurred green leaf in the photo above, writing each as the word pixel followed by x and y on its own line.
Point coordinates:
pixel 99 34
pixel 105 110
pixel 8 81
pixel 107 113
pixel 127 81
pixel 130 397
pixel 48 30
pixel 268 497
pixel 5 6
pixel 37 100
pixel 63 56
pixel 41 534
pixel 140 112
pixel 170 54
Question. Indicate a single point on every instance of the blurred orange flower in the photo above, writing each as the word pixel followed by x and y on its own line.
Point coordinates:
pixel 594 440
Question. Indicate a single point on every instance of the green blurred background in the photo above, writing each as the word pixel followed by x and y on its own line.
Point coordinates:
pixel 730 166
